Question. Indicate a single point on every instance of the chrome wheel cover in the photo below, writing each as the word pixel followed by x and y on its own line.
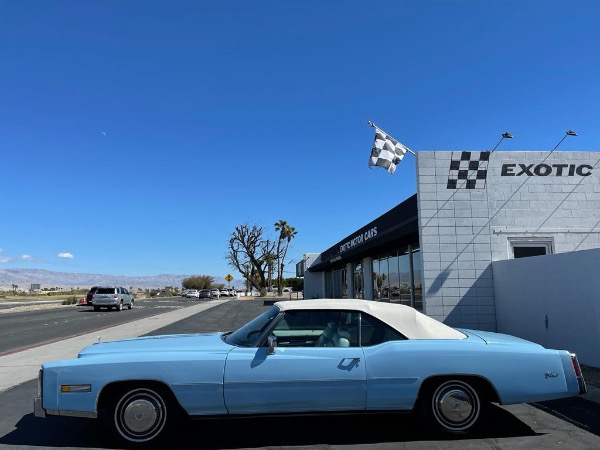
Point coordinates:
pixel 456 406
pixel 140 415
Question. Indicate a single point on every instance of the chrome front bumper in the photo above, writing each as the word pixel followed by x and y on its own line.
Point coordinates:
pixel 38 411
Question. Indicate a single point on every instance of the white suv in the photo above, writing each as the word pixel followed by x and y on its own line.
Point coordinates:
pixel 112 297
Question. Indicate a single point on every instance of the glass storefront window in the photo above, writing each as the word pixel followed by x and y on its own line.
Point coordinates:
pixel 340 287
pixel 383 281
pixel 405 277
pixel 418 285
pixel 394 278
pixel 358 281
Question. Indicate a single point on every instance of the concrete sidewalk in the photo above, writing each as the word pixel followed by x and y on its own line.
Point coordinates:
pixel 23 366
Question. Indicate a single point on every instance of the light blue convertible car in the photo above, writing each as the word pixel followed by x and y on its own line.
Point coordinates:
pixel 309 356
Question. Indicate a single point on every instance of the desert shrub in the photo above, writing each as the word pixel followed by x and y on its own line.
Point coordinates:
pixel 73 300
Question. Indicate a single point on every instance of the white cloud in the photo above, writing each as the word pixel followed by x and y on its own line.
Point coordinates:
pixel 4 260
pixel 66 255
pixel 26 257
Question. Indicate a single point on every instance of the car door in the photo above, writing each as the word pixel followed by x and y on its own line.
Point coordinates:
pixel 126 296
pixel 295 376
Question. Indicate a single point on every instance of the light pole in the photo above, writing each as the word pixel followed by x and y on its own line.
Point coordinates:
pixel 567 133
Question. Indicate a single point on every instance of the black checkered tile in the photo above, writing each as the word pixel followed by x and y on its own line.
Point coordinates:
pixel 468 170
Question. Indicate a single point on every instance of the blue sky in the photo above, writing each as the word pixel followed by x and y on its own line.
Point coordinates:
pixel 136 135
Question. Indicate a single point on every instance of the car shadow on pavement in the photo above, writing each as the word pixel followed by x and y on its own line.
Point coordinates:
pixel 576 410
pixel 351 430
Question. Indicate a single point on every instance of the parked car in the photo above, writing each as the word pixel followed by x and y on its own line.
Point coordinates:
pixel 192 293
pixel 89 297
pixel 287 290
pixel 184 292
pixel 215 293
pixel 224 293
pixel 205 293
pixel 116 297
pixel 307 356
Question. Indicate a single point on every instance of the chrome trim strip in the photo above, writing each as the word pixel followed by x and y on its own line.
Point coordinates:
pixel 39 411
pixel 86 414
pixel 411 379
pixel 199 383
pixel 329 380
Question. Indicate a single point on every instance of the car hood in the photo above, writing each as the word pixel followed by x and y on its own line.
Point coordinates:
pixel 210 342
pixel 499 338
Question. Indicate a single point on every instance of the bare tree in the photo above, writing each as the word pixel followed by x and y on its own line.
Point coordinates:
pixel 286 234
pixel 250 254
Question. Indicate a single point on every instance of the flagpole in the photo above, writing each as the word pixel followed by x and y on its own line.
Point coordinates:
pixel 377 128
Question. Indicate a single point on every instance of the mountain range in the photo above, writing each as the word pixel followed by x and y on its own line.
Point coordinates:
pixel 24 278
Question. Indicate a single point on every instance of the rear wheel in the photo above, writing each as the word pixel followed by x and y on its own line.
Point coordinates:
pixel 120 306
pixel 452 407
pixel 143 416
pixel 130 304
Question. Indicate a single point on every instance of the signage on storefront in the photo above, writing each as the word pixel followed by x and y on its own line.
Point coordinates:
pixel 358 239
pixel 544 170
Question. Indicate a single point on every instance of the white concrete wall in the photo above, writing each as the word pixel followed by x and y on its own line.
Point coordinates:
pixel 463 230
pixel 314 283
pixel 553 300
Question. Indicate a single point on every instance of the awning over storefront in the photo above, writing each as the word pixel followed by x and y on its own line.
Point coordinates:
pixel 396 227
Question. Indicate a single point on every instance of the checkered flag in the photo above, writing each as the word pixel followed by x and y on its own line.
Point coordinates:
pixel 468 170
pixel 387 152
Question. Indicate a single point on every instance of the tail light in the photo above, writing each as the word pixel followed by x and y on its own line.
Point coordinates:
pixel 578 374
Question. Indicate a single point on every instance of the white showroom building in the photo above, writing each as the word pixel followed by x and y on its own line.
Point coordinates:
pixel 453 249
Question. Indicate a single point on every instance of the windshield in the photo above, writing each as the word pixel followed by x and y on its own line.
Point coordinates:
pixel 247 336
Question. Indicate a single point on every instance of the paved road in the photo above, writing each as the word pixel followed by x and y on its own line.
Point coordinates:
pixel 513 427
pixel 25 328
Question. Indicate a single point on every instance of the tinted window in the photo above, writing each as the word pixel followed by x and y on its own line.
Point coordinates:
pixel 373 331
pixel 105 291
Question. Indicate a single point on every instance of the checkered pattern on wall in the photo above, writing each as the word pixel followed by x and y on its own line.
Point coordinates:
pixel 468 170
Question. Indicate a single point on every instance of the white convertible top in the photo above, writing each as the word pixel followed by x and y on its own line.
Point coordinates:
pixel 408 321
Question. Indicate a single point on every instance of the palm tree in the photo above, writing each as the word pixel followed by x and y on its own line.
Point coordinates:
pixel 286 234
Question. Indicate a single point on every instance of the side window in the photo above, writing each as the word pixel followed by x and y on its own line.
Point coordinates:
pixel 325 328
pixel 373 331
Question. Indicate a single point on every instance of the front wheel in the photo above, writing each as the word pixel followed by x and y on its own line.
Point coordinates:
pixel 142 416
pixel 452 408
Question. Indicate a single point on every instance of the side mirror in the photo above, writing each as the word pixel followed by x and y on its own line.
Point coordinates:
pixel 272 341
